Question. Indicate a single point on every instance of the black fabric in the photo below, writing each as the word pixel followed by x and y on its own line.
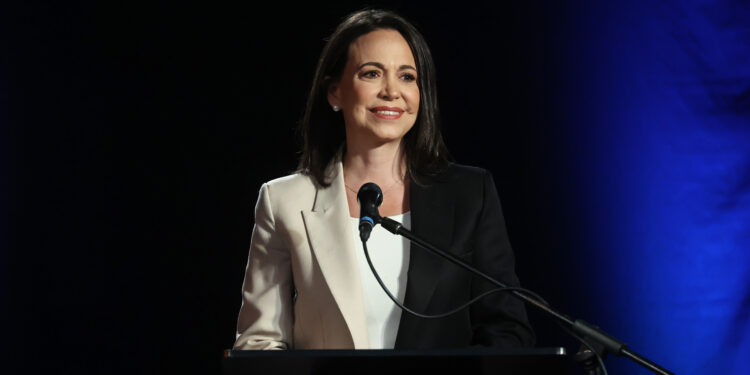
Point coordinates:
pixel 459 211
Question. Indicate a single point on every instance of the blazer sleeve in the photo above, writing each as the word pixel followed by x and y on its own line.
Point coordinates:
pixel 498 319
pixel 265 318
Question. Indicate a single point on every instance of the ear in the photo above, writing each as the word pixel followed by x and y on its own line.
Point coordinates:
pixel 334 97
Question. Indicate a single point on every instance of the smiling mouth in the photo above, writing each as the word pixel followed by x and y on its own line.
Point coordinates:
pixel 387 113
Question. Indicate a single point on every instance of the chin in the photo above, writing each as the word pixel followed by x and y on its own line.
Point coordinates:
pixel 391 136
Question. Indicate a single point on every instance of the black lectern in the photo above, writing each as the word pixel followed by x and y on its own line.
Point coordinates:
pixel 388 362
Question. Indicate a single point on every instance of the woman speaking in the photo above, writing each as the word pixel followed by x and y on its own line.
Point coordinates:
pixel 372 116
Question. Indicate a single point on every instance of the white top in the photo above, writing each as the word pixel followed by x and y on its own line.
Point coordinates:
pixel 390 257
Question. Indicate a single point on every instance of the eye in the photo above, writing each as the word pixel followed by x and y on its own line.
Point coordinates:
pixel 408 77
pixel 370 74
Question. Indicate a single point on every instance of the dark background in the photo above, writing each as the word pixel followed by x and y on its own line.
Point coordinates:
pixel 138 137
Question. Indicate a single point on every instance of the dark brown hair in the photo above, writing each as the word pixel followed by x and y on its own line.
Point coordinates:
pixel 323 130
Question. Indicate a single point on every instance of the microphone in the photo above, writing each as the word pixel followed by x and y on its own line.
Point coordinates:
pixel 369 197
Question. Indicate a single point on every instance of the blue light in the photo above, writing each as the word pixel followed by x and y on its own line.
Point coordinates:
pixel 663 125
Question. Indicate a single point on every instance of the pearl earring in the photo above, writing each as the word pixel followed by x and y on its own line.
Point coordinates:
pixel 336 108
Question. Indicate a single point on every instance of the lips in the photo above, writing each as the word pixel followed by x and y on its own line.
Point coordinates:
pixel 388 113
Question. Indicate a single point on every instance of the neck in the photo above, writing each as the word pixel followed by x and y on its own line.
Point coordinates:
pixel 383 164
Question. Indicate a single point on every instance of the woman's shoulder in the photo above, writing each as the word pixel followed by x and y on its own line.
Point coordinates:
pixel 295 185
pixel 292 182
pixel 467 170
pixel 454 172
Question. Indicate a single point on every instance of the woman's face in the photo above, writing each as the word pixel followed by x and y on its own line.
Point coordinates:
pixel 378 93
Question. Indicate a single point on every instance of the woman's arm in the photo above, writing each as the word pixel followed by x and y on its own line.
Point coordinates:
pixel 266 315
pixel 500 318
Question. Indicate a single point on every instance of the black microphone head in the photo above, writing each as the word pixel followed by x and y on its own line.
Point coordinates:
pixel 369 197
pixel 370 193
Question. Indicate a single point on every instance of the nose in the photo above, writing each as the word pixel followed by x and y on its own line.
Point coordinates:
pixel 390 89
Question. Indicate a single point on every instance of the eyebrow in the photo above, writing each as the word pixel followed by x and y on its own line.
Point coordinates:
pixel 381 66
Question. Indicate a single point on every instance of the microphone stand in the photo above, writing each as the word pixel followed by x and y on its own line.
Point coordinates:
pixel 593 337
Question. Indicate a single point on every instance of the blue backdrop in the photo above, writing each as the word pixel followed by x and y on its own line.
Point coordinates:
pixel 656 98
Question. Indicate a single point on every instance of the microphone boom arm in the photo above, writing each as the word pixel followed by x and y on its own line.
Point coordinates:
pixel 586 330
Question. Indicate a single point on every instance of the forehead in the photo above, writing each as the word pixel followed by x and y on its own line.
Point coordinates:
pixel 387 47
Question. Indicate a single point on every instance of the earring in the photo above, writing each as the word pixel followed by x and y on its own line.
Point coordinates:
pixel 336 108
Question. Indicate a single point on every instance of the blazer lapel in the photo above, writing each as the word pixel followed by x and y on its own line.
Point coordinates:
pixel 431 219
pixel 332 242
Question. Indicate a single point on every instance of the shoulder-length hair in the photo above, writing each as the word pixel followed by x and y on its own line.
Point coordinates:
pixel 322 129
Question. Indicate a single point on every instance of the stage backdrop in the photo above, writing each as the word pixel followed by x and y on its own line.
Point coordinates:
pixel 657 104
pixel 138 136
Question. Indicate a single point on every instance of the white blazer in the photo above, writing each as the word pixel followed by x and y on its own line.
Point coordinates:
pixel 302 241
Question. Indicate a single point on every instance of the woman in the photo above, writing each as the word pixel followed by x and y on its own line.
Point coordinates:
pixel 372 117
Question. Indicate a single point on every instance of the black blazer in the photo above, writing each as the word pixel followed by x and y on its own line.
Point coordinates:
pixel 459 211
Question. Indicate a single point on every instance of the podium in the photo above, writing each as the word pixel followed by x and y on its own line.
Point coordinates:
pixel 388 362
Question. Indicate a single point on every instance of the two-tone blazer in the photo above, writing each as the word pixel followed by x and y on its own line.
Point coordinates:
pixel 302 287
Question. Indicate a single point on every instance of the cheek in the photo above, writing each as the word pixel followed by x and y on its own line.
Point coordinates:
pixel 363 93
pixel 413 99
